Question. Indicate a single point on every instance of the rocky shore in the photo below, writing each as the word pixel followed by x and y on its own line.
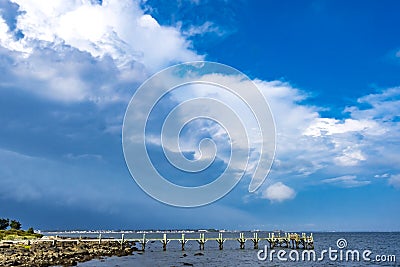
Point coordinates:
pixel 38 254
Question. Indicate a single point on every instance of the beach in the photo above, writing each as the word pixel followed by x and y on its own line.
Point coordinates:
pixel 38 254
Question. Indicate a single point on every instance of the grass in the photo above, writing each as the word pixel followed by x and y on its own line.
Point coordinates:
pixel 13 234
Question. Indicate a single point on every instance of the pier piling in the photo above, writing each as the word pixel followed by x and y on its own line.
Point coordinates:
pixel 255 240
pixel 241 240
pixel 201 241
pixel 164 242
pixel 122 241
pixel 183 242
pixel 143 242
pixel 220 241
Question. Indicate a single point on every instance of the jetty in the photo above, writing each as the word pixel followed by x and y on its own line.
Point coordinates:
pixel 286 240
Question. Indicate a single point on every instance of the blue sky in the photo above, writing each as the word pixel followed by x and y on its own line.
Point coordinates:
pixel 329 70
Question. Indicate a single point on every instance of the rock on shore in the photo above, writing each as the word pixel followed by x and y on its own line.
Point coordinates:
pixel 62 253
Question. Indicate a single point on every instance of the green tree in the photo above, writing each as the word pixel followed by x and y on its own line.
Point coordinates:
pixel 4 223
pixel 15 225
pixel 30 231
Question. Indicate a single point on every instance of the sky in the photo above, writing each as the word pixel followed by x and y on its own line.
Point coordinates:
pixel 330 71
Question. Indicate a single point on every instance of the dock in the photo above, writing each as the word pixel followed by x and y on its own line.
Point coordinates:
pixel 288 240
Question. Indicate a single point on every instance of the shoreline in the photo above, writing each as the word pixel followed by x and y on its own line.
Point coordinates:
pixel 40 254
pixel 69 251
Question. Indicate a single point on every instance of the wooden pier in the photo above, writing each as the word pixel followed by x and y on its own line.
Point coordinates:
pixel 288 240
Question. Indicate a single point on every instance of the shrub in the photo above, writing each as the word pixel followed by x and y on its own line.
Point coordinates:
pixel 4 223
pixel 15 225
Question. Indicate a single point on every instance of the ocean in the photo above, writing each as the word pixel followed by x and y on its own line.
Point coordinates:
pixel 353 249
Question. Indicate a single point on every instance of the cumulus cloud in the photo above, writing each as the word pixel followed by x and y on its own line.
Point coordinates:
pixel 310 146
pixel 329 126
pixel 117 28
pixel 350 156
pixel 58 36
pixel 7 39
pixel 55 51
pixel 278 192
pixel 367 130
pixel 291 119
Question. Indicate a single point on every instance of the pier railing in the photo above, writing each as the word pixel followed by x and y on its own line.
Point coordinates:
pixel 288 240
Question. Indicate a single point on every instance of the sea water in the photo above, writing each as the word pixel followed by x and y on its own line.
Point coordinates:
pixel 341 249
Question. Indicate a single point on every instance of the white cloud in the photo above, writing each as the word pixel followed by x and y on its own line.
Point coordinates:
pixel 278 192
pixel 385 175
pixel 329 126
pixel 117 28
pixel 79 51
pixel 206 27
pixel 382 106
pixel 348 181
pixel 351 156
pixel 309 145
pixel 63 74
pixel 394 181
pixel 7 39
pixel 60 35
pixel 315 148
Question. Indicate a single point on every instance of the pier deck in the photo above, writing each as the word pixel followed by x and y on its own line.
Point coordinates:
pixel 288 240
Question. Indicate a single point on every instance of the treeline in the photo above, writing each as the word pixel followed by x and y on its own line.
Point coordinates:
pixel 13 224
